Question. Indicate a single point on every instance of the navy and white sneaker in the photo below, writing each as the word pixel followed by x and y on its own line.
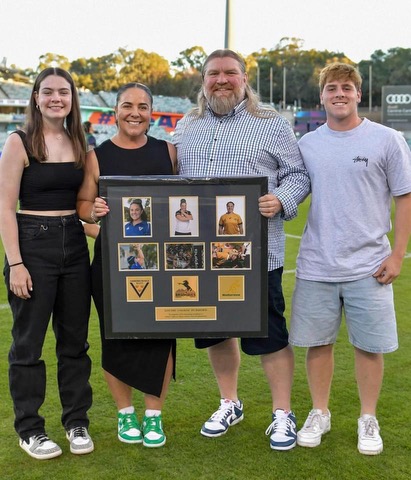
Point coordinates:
pixel 282 430
pixel 229 413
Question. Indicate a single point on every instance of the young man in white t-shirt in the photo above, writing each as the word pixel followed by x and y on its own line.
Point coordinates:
pixel 345 260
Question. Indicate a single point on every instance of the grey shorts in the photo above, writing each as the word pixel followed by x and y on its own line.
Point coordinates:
pixel 369 314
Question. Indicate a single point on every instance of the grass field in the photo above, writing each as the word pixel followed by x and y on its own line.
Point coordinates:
pixel 244 452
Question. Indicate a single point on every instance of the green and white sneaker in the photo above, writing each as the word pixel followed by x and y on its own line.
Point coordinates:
pixel 153 432
pixel 129 430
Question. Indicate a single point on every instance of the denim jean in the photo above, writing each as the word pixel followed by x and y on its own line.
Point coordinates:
pixel 55 252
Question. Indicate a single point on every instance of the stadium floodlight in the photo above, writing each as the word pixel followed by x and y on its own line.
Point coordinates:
pixel 229 32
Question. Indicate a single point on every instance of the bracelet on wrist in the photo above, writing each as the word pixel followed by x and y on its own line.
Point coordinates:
pixel 93 217
pixel 15 264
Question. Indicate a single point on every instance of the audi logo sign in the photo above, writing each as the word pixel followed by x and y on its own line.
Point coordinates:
pixel 396 106
pixel 398 98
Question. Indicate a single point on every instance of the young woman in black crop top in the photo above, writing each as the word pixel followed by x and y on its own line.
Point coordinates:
pixel 146 365
pixel 47 270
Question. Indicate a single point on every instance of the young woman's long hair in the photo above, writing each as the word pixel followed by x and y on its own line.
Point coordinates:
pixel 34 121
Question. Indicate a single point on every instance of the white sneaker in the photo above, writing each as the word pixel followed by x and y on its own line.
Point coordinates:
pixel 229 413
pixel 40 447
pixel 80 441
pixel 316 425
pixel 369 439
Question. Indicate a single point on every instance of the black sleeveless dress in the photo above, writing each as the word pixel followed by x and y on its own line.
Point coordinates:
pixel 139 363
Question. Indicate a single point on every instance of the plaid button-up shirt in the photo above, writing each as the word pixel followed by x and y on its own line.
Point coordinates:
pixel 244 144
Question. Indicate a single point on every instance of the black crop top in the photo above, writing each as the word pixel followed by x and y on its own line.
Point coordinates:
pixel 48 186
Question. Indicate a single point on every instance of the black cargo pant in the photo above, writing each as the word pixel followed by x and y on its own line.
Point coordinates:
pixel 55 252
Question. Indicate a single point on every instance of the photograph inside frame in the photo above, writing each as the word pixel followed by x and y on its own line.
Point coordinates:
pixel 184 256
pixel 231 215
pixel 184 216
pixel 138 256
pixel 137 214
pixel 231 255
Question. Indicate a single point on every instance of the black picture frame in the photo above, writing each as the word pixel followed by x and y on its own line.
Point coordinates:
pixel 207 285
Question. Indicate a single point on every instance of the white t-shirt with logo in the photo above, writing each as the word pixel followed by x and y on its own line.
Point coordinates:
pixel 354 175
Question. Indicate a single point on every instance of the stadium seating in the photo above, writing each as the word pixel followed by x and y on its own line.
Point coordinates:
pixel 15 91
pixel 91 100
pixel 19 91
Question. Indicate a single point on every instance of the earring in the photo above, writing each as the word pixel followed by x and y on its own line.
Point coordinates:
pixel 37 106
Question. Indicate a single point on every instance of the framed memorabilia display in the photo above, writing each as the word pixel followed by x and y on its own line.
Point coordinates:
pixel 184 257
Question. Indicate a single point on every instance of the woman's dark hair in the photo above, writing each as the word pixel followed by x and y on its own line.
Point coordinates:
pixel 87 126
pixel 36 144
pixel 141 86
pixel 139 203
pixel 131 260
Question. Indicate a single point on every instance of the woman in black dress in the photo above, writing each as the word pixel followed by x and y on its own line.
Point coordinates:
pixel 146 365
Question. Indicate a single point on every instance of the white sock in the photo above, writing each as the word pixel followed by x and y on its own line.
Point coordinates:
pixel 152 413
pixel 126 410
pixel 281 412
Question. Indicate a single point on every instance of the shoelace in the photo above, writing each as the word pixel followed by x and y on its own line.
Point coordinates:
pixel 313 420
pixel 282 425
pixel 151 424
pixel 129 421
pixel 369 427
pixel 79 432
pixel 41 438
pixel 223 412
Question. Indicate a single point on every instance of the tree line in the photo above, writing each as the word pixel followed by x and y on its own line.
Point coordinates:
pixel 287 65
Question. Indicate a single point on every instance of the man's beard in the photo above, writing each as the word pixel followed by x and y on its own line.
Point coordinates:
pixel 222 105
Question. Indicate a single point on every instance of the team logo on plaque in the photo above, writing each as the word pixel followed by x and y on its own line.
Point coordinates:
pixel 139 289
